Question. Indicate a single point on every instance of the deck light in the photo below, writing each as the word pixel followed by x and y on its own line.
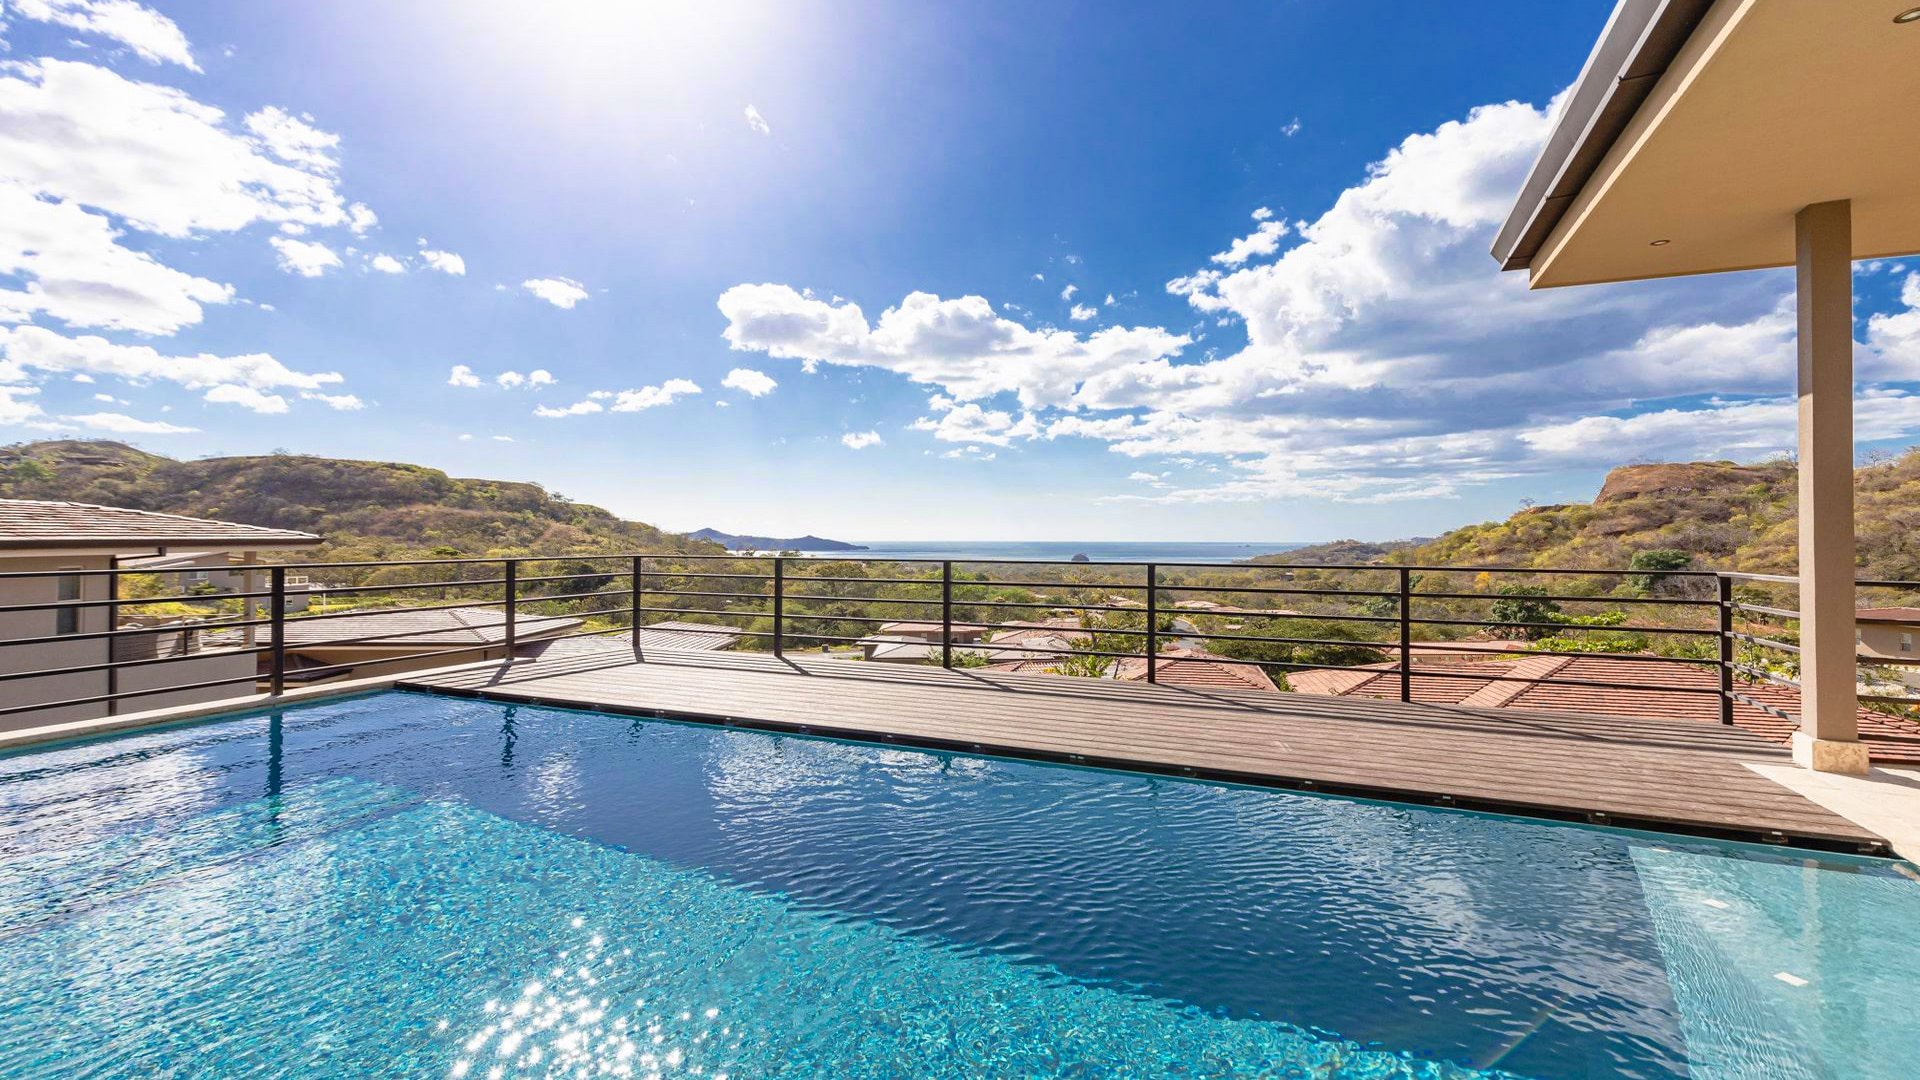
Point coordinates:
pixel 1912 14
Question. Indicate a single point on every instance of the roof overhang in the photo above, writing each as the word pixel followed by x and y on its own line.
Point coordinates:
pixel 1699 128
pixel 144 548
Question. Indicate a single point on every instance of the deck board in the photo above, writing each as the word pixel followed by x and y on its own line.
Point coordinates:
pixel 1671 774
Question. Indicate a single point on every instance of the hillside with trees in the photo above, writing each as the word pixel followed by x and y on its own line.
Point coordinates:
pixel 365 509
pixel 1717 514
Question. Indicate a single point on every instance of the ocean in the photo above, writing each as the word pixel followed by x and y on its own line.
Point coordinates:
pixel 1063 550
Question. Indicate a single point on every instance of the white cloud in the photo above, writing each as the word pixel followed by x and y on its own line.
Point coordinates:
pixel 308 258
pixel 292 139
pixel 860 440
pixel 502 438
pixel 36 348
pixel 462 375
pixel 152 155
pixel 338 402
pixel 969 423
pixel 466 437
pixel 540 377
pixel 122 424
pixel 560 292
pixel 1386 357
pixel 1110 301
pixel 152 36
pixel 757 122
pixel 77 271
pixel 750 382
pixel 247 397
pixel 444 261
pixel 387 264
pixel 1290 128
pixel 1067 293
pixel 1082 312
pixel 508 380
pixel 1263 240
pixel 578 408
pixel 648 397
pixel 959 345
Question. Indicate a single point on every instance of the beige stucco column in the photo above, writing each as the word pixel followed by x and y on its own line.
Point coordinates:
pixel 1828 739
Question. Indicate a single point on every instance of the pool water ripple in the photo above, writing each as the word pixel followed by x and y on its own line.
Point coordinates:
pixel 371 885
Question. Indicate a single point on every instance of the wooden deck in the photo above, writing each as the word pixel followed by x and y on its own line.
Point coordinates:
pixel 1672 775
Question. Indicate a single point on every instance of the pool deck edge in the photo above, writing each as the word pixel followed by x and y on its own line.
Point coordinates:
pixel 1844 835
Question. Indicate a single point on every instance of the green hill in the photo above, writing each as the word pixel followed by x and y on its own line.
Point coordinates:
pixel 1721 515
pixel 364 509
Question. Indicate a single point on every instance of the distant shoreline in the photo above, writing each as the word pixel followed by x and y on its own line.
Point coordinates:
pixel 1205 552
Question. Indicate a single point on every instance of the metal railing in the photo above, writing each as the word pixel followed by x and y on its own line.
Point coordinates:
pixel 1127 620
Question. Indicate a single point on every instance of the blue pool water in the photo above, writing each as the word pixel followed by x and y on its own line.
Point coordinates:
pixel 405 884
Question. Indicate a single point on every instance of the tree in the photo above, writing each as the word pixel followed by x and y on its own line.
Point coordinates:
pixel 1655 559
pixel 1518 606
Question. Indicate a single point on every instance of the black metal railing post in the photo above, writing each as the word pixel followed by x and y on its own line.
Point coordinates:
pixel 1406 634
pixel 640 587
pixel 946 613
pixel 511 590
pixel 277 628
pixel 1153 623
pixel 779 604
pixel 1725 587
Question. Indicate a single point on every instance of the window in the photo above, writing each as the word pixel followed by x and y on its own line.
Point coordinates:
pixel 67 587
pixel 1906 642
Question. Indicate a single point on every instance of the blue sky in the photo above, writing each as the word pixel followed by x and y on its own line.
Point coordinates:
pixel 989 271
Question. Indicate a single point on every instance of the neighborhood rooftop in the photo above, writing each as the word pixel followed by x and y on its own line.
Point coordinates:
pixel 72 526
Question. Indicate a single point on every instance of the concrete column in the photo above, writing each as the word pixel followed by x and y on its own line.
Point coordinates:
pixel 1828 739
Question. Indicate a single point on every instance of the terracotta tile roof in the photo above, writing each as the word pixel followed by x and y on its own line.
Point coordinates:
pixel 27 523
pixel 1199 670
pixel 1888 738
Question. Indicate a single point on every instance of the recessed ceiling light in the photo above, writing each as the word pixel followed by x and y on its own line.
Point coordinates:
pixel 1907 16
pixel 1660 243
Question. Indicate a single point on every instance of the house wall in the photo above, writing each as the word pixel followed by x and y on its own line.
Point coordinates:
pixel 15 625
pixel 1884 639
pixel 191 667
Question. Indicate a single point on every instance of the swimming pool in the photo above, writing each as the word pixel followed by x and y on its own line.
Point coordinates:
pixel 408 884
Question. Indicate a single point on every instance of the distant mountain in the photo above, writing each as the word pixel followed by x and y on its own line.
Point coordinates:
pixel 1340 552
pixel 741 542
pixel 364 509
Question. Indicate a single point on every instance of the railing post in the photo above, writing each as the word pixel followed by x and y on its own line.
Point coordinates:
pixel 1406 634
pixel 638 583
pixel 1725 588
pixel 779 604
pixel 277 627
pixel 946 613
pixel 512 592
pixel 1153 623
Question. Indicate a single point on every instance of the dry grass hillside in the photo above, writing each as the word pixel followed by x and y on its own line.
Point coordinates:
pixel 365 509
pixel 1722 515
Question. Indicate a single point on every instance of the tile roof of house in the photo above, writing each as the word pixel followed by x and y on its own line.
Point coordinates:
pixel 1193 669
pixel 1888 738
pixel 1887 615
pixel 409 628
pixel 71 526
pixel 1196 669
pixel 686 636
